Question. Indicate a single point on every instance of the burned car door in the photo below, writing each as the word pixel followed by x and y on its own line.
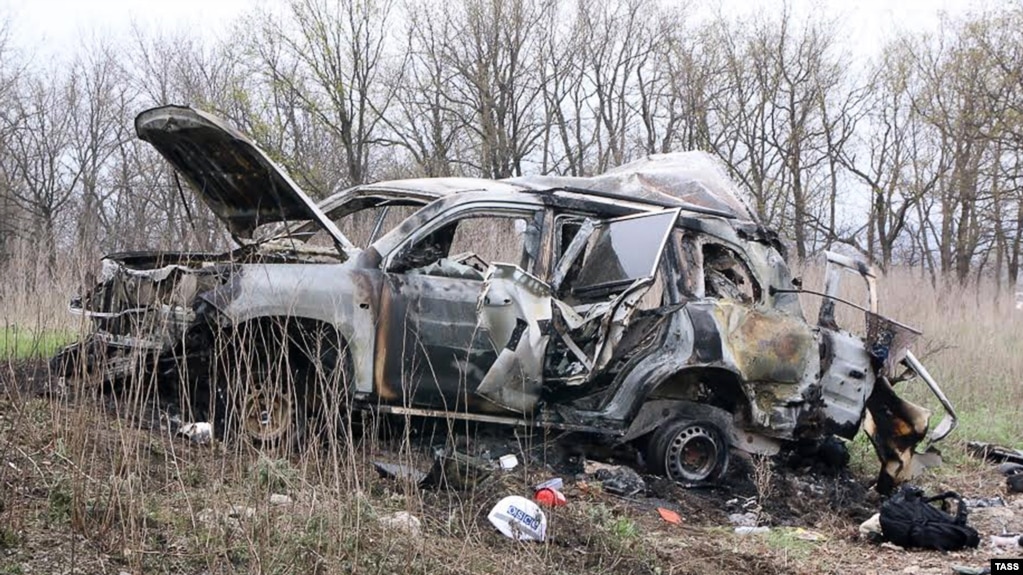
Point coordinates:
pixel 603 275
pixel 440 328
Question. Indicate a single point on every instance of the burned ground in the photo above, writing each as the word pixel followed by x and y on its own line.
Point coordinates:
pixel 91 486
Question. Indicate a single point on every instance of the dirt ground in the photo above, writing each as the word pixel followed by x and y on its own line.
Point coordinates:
pixel 90 486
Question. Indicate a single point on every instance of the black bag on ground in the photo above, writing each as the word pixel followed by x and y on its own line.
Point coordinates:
pixel 909 520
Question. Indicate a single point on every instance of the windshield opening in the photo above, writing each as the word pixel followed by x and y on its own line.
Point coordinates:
pixel 363 220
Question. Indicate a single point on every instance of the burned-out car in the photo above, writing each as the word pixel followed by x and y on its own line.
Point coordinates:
pixel 646 305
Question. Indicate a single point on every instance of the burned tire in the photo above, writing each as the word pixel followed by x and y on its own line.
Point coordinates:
pixel 688 451
pixel 261 387
pixel 283 384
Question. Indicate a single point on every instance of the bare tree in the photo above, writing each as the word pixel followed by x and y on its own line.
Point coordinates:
pixel 491 50
pixel 331 59
pixel 41 177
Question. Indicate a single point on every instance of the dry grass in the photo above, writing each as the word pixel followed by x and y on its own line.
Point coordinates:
pixel 92 483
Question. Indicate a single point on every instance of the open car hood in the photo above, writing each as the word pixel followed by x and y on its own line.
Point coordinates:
pixel 236 179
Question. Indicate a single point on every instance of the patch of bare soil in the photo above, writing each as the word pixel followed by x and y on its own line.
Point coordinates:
pixel 88 485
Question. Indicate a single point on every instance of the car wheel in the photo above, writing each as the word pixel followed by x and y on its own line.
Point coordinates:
pixel 689 451
pixel 262 385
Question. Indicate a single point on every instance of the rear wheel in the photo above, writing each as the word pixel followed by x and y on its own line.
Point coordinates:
pixel 689 451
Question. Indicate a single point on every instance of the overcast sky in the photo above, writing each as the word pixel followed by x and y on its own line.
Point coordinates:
pixel 55 27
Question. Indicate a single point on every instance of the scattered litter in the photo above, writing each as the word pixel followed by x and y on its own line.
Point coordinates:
pixel 746 530
pixel 620 480
pixel 519 518
pixel 556 483
pixel 456 471
pixel 994 453
pixel 1014 483
pixel 743 519
pixel 400 472
pixel 402 521
pixel 985 502
pixel 280 499
pixel 909 520
pixel 669 516
pixel 871 529
pixel 592 467
pixel 1005 541
pixel 550 497
pixel 1010 468
pixel 200 432
pixel 508 462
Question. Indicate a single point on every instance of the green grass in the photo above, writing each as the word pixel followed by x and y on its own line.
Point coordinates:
pixel 19 343
pixel 788 541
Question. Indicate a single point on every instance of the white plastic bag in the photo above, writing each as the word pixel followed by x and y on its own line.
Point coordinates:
pixel 519 518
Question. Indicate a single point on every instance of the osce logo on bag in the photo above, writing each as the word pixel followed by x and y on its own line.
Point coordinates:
pixel 519 518
pixel 531 522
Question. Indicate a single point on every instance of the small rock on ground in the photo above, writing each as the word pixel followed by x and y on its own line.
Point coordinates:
pixel 402 521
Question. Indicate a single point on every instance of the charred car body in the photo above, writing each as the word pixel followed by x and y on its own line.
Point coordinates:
pixel 645 304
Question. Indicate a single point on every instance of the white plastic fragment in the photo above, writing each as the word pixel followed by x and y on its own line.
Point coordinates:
pixel 519 518
pixel 200 432
pixel 752 530
pixel 555 483
pixel 1005 541
pixel 871 527
pixel 508 461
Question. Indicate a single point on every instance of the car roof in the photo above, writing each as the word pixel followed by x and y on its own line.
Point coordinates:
pixel 694 181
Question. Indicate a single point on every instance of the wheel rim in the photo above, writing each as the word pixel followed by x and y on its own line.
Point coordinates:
pixel 267 414
pixel 692 455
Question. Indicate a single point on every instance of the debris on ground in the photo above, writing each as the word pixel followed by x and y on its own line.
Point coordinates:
pixel 982 502
pixel 550 497
pixel 1010 468
pixel 1014 483
pixel 1011 541
pixel 994 453
pixel 399 472
pixel 519 518
pixel 454 470
pixel 402 521
pixel 909 520
pixel 508 462
pixel 871 529
pixel 592 467
pixel 669 515
pixel 200 432
pixel 556 483
pixel 620 480
pixel 748 519
pixel 752 530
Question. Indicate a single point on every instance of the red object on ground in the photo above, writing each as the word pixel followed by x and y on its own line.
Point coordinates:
pixel 550 497
pixel 669 515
